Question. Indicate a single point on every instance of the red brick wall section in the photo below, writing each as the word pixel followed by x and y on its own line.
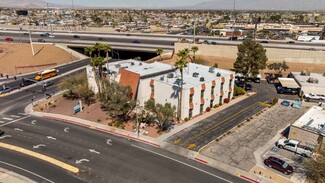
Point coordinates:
pixel 131 79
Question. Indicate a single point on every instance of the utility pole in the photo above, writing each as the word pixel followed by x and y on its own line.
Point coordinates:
pixel 50 22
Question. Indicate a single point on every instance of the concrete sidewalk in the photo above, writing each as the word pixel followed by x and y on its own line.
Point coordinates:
pixel 7 176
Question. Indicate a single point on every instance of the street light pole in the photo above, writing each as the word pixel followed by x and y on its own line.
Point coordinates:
pixel 50 22
pixel 31 42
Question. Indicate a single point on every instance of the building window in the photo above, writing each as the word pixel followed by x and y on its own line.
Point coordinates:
pixel 212 90
pixel 221 88
pixel 201 108
pixel 211 104
pixel 229 95
pixel 152 89
pixel 230 81
pixel 202 93
pixel 220 100
pixel 191 98
pixel 190 113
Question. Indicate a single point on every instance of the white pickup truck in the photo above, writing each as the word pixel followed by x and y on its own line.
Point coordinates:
pixel 313 96
pixel 293 145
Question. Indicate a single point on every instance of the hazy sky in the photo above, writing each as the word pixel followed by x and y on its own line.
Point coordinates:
pixel 128 3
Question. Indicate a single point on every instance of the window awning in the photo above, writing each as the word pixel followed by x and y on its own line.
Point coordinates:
pixel 288 82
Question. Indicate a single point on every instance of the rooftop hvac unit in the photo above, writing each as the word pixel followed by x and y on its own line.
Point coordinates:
pixel 195 74
pixel 312 80
pixel 211 69
pixel 305 73
pixel 170 75
pixel 202 79
pixel 117 66
pixel 218 74
pixel 132 63
pixel 162 78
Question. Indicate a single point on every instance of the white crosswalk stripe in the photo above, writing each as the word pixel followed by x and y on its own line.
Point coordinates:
pixel 14 116
pixel 8 119
pixel 24 114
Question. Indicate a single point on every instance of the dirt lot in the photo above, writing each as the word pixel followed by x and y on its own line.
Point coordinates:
pixel 227 63
pixel 20 55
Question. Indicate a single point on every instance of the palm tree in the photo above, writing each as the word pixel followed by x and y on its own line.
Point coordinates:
pixel 159 51
pixel 180 64
pixel 103 47
pixel 194 49
pixel 89 51
pixel 98 62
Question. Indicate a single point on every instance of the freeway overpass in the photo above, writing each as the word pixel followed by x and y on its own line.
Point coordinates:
pixel 145 42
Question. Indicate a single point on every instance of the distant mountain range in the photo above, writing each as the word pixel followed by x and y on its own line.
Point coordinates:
pixel 261 5
pixel 211 5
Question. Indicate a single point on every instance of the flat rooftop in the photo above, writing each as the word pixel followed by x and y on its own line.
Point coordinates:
pixel 302 80
pixel 313 120
pixel 208 73
pixel 141 68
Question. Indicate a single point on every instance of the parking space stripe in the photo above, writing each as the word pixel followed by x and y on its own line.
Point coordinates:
pixel 14 116
pixel 8 119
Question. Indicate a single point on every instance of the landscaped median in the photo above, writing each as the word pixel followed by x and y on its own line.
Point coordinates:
pixel 41 156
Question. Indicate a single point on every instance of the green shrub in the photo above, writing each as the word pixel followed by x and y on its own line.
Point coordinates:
pixel 186 119
pixel 226 100
pixel 238 91
pixel 207 109
pixel 275 101
pixel 122 126
pixel 65 95
pixel 216 105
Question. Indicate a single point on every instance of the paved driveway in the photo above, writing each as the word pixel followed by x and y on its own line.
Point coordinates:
pixel 237 149
pixel 214 126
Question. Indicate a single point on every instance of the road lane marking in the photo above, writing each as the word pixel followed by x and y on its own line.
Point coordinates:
pixel 216 125
pixel 25 170
pixel 8 119
pixel 2 122
pixel 14 121
pixel 14 116
pixel 24 114
pixel 183 163
pixel 41 156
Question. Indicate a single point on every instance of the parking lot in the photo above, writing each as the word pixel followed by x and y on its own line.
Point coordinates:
pixel 237 149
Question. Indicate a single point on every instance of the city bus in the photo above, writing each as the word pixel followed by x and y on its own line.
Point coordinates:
pixel 46 74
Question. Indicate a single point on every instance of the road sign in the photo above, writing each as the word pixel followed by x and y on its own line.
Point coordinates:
pixel 77 108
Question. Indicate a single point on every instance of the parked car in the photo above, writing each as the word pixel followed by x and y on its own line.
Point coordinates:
pixel 313 96
pixel 25 33
pixel 76 36
pixel 278 164
pixel 241 84
pixel 1 33
pixel 285 90
pixel 294 146
pixel 206 41
pixel 264 42
pixel 285 103
pixel 101 39
pixel 43 35
pixel 214 43
pixel 136 41
pixel 5 90
pixel 51 36
pixel 41 40
pixel 312 49
pixel 8 39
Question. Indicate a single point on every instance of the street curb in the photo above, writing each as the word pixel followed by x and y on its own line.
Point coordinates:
pixel 103 130
pixel 247 178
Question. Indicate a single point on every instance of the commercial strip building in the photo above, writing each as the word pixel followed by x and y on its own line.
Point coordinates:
pixel 309 82
pixel 309 129
pixel 203 86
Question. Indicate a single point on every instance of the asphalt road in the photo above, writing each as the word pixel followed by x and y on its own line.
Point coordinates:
pixel 214 126
pixel 145 40
pixel 123 161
